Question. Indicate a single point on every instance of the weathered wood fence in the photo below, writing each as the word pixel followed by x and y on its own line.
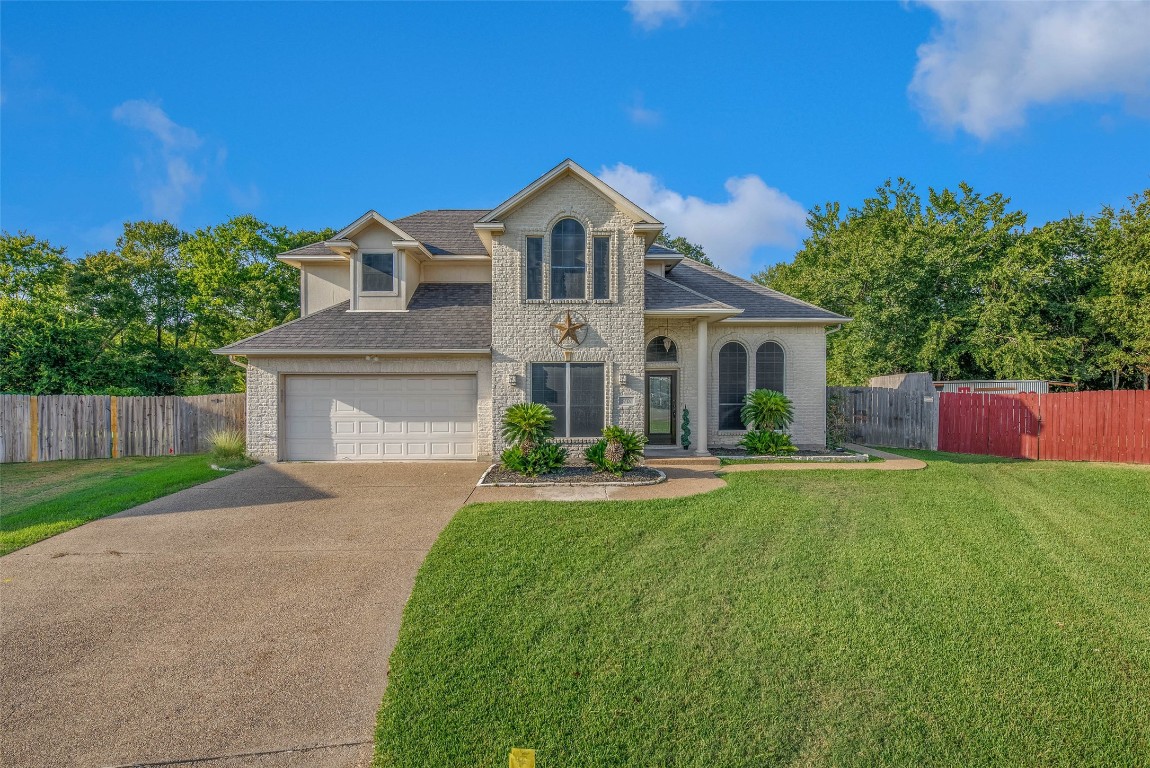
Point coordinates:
pixel 51 427
pixel 1062 426
pixel 890 417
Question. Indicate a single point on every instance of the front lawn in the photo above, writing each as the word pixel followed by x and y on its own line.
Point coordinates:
pixel 41 499
pixel 975 613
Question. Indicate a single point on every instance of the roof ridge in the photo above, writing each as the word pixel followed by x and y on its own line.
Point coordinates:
pixel 723 275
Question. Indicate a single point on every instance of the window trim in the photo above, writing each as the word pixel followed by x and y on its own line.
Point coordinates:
pixel 567 392
pixel 395 273
pixel 719 388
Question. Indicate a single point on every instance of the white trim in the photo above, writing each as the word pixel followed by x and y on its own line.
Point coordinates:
pixel 363 221
pixel 569 166
pixel 297 260
pixel 783 321
pixel 723 313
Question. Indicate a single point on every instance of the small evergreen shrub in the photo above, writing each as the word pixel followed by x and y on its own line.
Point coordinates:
pixel 767 442
pixel 227 444
pixel 617 451
pixel 685 430
pixel 546 457
pixel 767 409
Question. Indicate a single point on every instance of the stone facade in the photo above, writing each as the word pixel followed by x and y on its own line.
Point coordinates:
pixel 265 377
pixel 805 376
pixel 683 333
pixel 521 330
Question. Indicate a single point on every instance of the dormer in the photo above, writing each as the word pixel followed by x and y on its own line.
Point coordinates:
pixel 383 263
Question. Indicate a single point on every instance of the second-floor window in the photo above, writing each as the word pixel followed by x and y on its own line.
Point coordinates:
pixel 377 273
pixel 535 268
pixel 602 268
pixel 568 260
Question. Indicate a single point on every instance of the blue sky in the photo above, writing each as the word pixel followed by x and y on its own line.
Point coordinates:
pixel 728 120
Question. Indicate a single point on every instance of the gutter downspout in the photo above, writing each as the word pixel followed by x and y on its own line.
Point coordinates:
pixel 232 360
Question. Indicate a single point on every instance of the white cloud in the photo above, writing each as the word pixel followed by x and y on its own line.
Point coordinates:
pixel 755 215
pixel 641 114
pixel 986 64
pixel 171 169
pixel 652 14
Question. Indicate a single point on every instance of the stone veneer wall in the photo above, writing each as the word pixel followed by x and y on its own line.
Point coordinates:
pixel 805 367
pixel 521 332
pixel 265 375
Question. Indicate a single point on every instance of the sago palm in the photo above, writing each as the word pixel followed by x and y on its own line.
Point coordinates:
pixel 767 409
pixel 527 424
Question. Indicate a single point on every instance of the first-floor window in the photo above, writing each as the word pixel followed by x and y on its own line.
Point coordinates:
pixel 769 371
pixel 574 393
pixel 732 385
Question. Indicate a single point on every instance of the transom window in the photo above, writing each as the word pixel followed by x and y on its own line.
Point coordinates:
pixel 574 393
pixel 732 385
pixel 377 273
pixel 769 369
pixel 662 350
pixel 568 260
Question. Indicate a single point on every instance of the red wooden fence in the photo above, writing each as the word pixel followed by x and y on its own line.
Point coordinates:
pixel 1065 426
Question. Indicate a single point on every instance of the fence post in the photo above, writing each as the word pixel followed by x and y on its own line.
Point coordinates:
pixel 34 429
pixel 115 427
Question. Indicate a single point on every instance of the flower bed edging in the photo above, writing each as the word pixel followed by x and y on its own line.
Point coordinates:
pixel 662 478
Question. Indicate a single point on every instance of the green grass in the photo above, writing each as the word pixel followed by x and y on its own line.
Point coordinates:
pixel 974 613
pixel 42 499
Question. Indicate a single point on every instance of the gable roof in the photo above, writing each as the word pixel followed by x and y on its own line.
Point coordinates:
pixel 758 302
pixel 447 232
pixel 660 295
pixel 441 316
pixel 567 167
pixel 363 221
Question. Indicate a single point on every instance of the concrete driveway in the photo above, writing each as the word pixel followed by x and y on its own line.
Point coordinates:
pixel 249 619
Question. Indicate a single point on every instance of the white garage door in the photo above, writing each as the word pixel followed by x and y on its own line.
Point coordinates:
pixel 371 418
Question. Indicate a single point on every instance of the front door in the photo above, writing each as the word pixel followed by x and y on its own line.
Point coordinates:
pixel 661 408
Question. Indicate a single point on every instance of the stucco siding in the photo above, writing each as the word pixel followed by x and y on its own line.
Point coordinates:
pixel 266 375
pixel 324 285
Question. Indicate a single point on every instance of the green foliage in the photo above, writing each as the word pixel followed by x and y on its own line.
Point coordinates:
pixel 228 444
pixel 545 457
pixel 143 317
pixel 617 451
pixel 767 442
pixel 838 420
pixel 767 409
pixel 685 247
pixel 958 286
pixel 685 429
pixel 527 424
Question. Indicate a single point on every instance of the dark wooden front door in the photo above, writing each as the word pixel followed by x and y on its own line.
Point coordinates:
pixel 661 395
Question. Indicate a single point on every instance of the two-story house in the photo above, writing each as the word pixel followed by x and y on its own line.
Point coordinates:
pixel 416 334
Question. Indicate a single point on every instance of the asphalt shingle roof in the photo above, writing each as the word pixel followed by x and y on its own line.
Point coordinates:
pixel 440 316
pixel 445 232
pixel 661 294
pixel 756 301
pixel 315 249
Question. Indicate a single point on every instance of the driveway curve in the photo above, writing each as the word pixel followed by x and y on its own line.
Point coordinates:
pixel 247 621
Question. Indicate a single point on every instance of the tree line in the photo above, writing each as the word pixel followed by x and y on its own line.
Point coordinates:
pixel 959 286
pixel 143 317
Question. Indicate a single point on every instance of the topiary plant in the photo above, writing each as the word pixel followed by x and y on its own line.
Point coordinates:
pixel 767 409
pixel 525 425
pixel 685 430
pixel 766 442
pixel 618 451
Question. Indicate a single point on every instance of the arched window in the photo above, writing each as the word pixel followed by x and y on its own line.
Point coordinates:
pixel 732 384
pixel 769 372
pixel 568 260
pixel 662 350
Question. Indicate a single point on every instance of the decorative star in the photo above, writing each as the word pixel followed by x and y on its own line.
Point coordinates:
pixel 567 329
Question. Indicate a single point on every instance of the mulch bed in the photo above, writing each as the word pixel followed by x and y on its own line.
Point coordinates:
pixel 573 475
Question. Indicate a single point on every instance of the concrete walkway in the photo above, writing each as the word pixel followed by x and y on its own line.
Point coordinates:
pixel 688 477
pixel 242 619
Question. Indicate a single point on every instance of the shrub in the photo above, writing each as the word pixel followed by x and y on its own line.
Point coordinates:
pixel 767 442
pixel 838 420
pixel 685 430
pixel 544 458
pixel 767 409
pixel 617 451
pixel 527 425
pixel 227 444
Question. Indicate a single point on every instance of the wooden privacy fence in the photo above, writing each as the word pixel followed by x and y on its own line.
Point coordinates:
pixel 51 427
pixel 890 417
pixel 1063 426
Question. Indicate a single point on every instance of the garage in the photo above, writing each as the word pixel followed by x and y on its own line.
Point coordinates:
pixel 380 417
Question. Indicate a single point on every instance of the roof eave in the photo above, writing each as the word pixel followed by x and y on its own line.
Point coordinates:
pixel 343 352
pixel 789 320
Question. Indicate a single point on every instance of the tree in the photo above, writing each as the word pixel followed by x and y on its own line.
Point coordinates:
pixel 1120 301
pixel 685 247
